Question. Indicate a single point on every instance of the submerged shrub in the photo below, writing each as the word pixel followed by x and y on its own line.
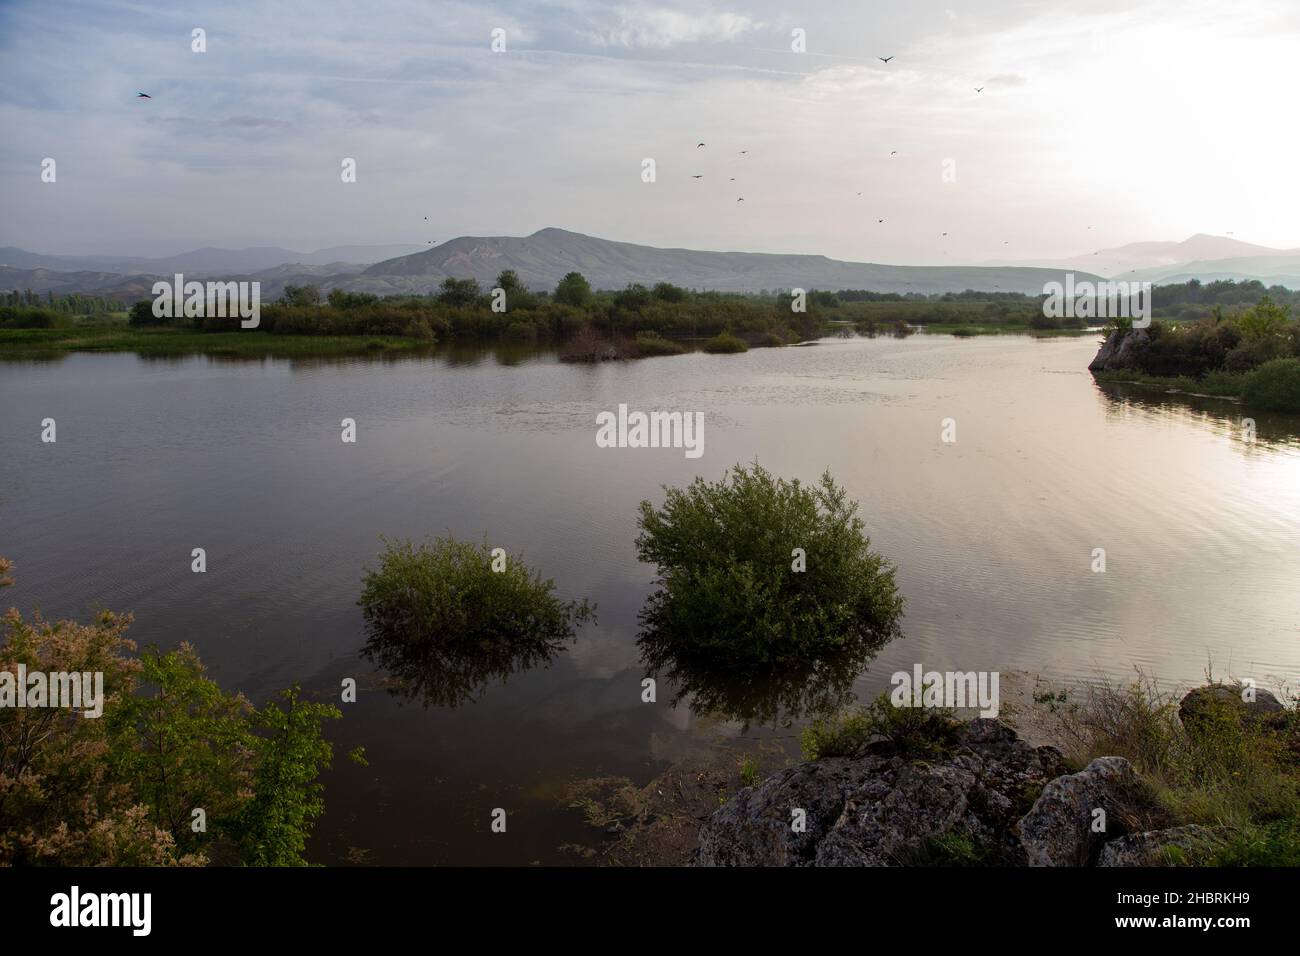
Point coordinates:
pixel 650 343
pixel 763 581
pixel 725 342
pixel 444 621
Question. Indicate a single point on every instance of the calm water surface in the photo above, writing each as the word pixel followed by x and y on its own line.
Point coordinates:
pixel 993 536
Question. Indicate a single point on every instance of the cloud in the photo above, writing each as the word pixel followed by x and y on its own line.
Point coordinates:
pixel 661 27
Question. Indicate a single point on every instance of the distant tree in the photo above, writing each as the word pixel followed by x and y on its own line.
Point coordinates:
pixel 458 292
pixel 301 295
pixel 508 280
pixel 667 292
pixel 573 290
pixel 634 298
pixel 339 299
pixel 142 314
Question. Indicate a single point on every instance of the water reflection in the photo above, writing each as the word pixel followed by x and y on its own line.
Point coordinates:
pixel 447 673
pixel 773 692
pixel 1220 415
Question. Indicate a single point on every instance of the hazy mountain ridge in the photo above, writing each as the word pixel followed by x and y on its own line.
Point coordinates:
pixel 209 260
pixel 543 258
pixel 1201 256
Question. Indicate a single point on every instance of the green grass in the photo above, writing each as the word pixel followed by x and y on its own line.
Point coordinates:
pixel 116 336
pixel 1221 771
pixel 1216 384
pixel 966 330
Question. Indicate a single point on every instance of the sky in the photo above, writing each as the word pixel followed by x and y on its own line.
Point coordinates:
pixel 1098 124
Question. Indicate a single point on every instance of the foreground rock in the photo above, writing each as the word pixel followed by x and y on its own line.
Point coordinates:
pixel 881 808
pixel 1204 703
pixel 1156 847
pixel 1077 813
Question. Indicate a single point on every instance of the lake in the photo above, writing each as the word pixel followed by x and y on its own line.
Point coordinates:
pixel 993 536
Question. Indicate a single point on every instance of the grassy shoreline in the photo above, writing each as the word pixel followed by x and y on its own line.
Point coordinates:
pixel 175 341
pixel 1229 386
pixel 109 336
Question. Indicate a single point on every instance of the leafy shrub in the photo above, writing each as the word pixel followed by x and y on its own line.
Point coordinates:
pixel 1275 386
pixel 725 342
pixel 649 343
pixel 732 603
pixel 913 731
pixel 120 790
pixel 443 620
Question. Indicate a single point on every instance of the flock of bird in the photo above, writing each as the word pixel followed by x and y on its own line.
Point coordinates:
pixel 892 152
pixel 743 152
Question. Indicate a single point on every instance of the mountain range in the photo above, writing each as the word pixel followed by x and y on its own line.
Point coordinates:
pixel 543 258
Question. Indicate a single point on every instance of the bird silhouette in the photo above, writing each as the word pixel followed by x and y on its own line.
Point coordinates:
pixel 145 95
pixel 701 176
pixel 698 147
pixel 880 220
pixel 893 152
pixel 741 199
pixel 884 59
pixel 979 89
pixel 732 179
pixel 743 152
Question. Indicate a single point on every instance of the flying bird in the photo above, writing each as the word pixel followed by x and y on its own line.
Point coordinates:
pixel 880 220
pixel 701 144
pixel 743 152
pixel 700 176
pixel 884 59
pixel 145 95
pixel 979 89
pixel 741 199
pixel 732 179
pixel 893 152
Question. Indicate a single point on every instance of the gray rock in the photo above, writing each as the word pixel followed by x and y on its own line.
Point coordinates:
pixel 1211 698
pixel 1147 849
pixel 881 808
pixel 1118 351
pixel 1058 830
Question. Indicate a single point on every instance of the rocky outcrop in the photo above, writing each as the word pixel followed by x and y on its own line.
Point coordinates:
pixel 1253 708
pixel 1118 351
pixel 881 808
pixel 1077 813
pixel 1155 847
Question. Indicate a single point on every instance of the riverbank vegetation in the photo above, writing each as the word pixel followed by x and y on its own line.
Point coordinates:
pixel 1210 760
pixel 176 772
pixel 635 322
pixel 1252 354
